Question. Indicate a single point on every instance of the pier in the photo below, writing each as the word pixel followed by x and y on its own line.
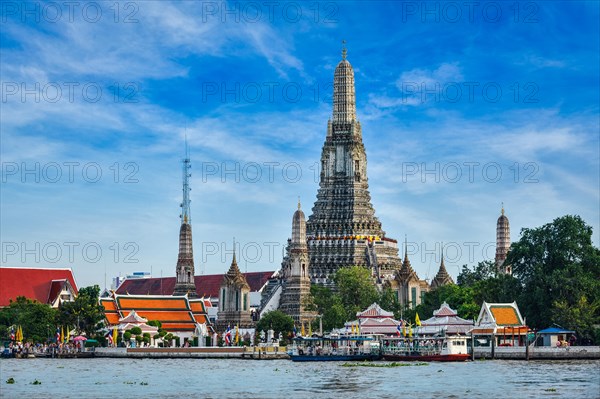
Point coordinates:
pixel 257 353
pixel 538 353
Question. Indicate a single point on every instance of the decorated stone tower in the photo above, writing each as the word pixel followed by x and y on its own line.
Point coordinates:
pixel 502 243
pixel 442 277
pixel 234 299
pixel 184 280
pixel 343 230
pixel 295 272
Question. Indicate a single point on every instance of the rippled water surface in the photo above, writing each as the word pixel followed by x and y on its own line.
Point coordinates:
pixel 175 378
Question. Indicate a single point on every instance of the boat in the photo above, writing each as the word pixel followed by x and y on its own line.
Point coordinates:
pixel 426 349
pixel 334 348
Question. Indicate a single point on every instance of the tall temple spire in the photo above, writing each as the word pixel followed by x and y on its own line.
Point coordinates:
pixel 343 229
pixel 502 242
pixel 344 96
pixel 295 272
pixel 184 280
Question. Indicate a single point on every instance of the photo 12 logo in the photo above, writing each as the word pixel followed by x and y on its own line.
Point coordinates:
pixel 71 92
pixel 469 11
pixel 454 172
pixel 68 252
pixel 69 172
pixel 69 11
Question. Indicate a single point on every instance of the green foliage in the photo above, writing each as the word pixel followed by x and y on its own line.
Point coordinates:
pixel 38 320
pixel 276 320
pixel 136 331
pixel 559 269
pixel 483 271
pixel 155 323
pixel 329 305
pixel 84 312
pixel 127 336
pixel 355 288
pixel 354 292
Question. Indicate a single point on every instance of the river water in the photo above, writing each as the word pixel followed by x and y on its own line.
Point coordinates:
pixel 216 378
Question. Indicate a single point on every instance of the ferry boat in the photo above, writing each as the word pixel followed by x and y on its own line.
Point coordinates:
pixel 334 348
pixel 426 349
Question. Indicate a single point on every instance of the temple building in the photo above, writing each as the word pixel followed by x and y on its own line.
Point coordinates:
pixel 445 321
pixel 500 324
pixel 442 277
pixel 234 300
pixel 343 229
pixel 292 287
pixel 51 286
pixel 178 315
pixel 502 243
pixel 373 320
pixel 410 289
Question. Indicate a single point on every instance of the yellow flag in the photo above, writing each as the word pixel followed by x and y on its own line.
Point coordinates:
pixel 417 320
pixel 403 328
pixel 62 334
pixel 115 335
pixel 68 334
pixel 237 335
pixel 302 330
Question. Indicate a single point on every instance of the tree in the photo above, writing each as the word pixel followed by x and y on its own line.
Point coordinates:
pixel 84 312
pixel 276 320
pixel 559 269
pixel 354 292
pixel 355 288
pixel 37 320
pixel 483 271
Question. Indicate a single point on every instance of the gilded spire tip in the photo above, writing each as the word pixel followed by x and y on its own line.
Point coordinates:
pixel 502 208
pixel 299 206
pixel 344 50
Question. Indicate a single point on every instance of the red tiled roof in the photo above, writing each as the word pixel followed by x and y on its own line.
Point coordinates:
pixel 206 285
pixel 33 283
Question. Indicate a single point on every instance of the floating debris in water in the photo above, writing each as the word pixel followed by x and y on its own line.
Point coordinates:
pixel 550 389
pixel 36 382
pixel 143 383
pixel 10 381
pixel 393 364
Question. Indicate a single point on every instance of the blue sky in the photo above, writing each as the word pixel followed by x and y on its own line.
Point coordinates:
pixel 463 106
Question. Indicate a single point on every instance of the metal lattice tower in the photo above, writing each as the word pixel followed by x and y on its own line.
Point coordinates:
pixel 185 282
pixel 186 216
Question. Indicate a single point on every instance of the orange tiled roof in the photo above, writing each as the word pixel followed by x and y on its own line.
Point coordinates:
pixel 483 331
pixel 505 315
pixel 110 311
pixel 149 302
pixel 174 313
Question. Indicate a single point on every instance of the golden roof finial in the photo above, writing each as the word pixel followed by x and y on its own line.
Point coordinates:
pixel 344 51
pixel 502 208
pixel 299 202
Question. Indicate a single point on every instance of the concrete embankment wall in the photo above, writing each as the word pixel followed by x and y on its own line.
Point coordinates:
pixel 195 353
pixel 540 353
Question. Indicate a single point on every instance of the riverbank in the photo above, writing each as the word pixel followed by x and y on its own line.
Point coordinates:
pixel 233 352
pixel 539 353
